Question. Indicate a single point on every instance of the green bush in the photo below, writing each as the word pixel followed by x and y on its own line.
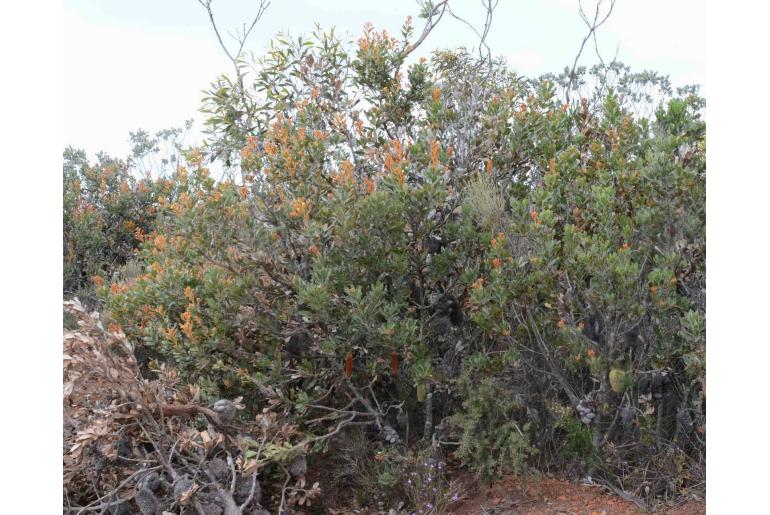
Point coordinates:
pixel 463 247
pixel 492 425
pixel 110 206
pixel 107 211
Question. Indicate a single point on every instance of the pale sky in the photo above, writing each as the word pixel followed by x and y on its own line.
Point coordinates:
pixel 131 64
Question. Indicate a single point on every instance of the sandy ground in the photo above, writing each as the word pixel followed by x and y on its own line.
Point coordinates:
pixel 514 495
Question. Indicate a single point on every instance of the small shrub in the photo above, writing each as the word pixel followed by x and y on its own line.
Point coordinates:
pixel 424 482
pixel 491 427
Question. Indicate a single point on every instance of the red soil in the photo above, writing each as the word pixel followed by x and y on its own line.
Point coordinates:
pixel 513 495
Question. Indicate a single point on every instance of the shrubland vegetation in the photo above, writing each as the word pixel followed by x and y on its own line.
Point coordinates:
pixel 415 258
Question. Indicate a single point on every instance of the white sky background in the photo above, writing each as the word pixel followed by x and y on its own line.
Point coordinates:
pixel 131 64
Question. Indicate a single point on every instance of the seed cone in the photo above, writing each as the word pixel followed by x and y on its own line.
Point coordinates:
pixel 617 380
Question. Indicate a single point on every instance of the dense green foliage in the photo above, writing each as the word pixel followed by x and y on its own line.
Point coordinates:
pixel 106 213
pixel 512 271
pixel 110 206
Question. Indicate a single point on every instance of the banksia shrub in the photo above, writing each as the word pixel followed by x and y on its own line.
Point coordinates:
pixel 471 251
pixel 107 212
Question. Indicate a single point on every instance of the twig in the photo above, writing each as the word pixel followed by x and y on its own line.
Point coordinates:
pixel 428 429
pixel 92 507
pixel 554 371
pixel 227 497
pixel 162 459
pixel 190 410
pixel 365 402
pixel 100 507
pixel 254 476
pixel 198 506
pixel 251 492
pixel 614 422
pixel 438 11
pixel 233 477
pixel 592 26
pixel 283 490
pixel 490 7
pixel 263 5
pixel 314 439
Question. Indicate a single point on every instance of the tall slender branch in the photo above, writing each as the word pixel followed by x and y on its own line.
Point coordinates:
pixel 592 26
pixel 437 11
pixel 489 6
pixel 240 39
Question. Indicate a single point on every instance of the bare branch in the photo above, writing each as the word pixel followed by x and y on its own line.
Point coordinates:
pixel 490 7
pixel 592 26
pixel 283 490
pixel 553 369
pixel 240 39
pixel 230 507
pixel 95 505
pixel 437 12
pixel 251 491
